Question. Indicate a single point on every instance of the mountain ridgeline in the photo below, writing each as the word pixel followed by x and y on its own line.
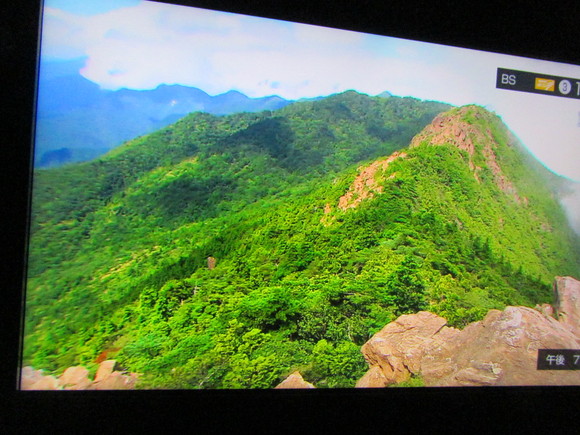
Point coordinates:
pixel 229 252
pixel 78 121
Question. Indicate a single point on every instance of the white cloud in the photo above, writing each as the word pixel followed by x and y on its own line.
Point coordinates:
pixel 571 203
pixel 149 44
pixel 64 35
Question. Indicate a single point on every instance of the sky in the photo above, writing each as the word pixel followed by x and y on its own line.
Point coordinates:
pixel 139 45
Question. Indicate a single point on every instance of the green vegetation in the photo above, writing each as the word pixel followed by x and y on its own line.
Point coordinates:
pixel 413 381
pixel 119 246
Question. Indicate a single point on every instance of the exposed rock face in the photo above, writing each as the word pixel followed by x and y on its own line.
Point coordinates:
pixel 545 309
pixel 397 349
pixel 105 370
pixel 76 378
pixel 374 378
pixel 567 302
pixel 365 186
pixel 448 128
pixel 34 380
pixel 295 380
pixel 115 381
pixel 501 349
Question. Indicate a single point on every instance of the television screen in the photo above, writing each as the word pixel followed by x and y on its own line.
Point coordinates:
pixel 224 201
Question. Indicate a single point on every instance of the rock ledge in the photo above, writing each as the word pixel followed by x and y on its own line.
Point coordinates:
pixel 76 378
pixel 501 349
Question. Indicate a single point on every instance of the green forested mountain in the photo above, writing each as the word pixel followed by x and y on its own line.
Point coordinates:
pixel 227 252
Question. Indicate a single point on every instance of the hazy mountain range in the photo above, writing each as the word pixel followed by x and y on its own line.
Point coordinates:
pixel 79 121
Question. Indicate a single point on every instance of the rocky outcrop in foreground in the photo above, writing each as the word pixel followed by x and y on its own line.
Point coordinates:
pixel 295 380
pixel 501 349
pixel 76 378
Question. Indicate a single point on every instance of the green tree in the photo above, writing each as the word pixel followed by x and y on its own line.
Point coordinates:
pixel 407 287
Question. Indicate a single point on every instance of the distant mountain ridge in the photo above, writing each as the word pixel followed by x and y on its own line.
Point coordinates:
pixel 78 121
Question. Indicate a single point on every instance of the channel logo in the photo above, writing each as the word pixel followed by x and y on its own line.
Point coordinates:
pixel 537 83
pixel 545 84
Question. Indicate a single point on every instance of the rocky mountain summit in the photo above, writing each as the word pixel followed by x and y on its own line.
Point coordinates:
pixel 77 378
pixel 501 349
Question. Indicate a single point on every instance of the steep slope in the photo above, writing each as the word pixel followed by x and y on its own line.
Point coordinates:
pixel 316 241
pixel 504 184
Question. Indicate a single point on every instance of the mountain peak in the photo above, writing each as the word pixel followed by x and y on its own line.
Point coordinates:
pixel 385 94
pixel 233 93
pixel 469 129
pixel 452 128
